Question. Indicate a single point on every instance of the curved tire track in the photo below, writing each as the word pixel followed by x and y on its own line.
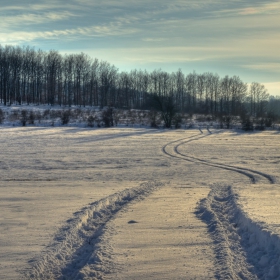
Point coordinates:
pixel 250 173
pixel 226 166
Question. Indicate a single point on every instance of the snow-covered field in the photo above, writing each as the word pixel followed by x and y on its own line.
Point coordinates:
pixel 137 203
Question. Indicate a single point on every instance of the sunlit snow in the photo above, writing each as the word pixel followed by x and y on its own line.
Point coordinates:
pixel 205 204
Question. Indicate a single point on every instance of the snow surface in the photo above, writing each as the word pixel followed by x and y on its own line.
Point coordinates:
pixel 134 203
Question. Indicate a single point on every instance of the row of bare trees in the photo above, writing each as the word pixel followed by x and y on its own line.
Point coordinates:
pixel 28 76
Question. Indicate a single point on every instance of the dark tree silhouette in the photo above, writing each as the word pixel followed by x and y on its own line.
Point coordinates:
pixel 28 76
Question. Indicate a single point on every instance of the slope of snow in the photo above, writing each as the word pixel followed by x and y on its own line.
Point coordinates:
pixel 259 216
pixel 243 246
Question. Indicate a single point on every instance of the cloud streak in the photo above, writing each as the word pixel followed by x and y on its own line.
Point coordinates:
pixel 33 19
pixel 273 67
pixel 270 8
pixel 92 31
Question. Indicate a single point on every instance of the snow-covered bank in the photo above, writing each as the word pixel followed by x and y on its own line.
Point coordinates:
pixel 260 207
pixel 245 248
pixel 90 116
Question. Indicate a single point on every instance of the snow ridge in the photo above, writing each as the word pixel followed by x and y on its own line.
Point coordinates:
pixel 77 245
pixel 244 248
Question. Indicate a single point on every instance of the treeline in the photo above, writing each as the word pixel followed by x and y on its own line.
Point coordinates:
pixel 28 76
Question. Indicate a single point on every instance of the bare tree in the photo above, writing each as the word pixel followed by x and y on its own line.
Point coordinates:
pixel 37 77
pixel 259 99
pixel 166 106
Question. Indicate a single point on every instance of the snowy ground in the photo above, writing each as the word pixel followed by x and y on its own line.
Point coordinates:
pixel 129 203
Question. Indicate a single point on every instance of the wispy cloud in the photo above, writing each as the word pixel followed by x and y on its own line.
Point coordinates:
pixel 97 31
pixel 31 18
pixel 154 39
pixel 266 8
pixel 147 9
pixel 270 8
pixel 273 67
pixel 25 6
pixel 143 55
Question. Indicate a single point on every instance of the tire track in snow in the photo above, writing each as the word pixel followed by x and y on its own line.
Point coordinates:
pixel 231 260
pixel 250 173
pixel 76 244
pixel 226 166
pixel 244 249
pixel 189 139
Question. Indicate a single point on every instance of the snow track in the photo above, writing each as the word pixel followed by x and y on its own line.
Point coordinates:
pixel 76 246
pixel 244 248
pixel 241 170
pixel 253 175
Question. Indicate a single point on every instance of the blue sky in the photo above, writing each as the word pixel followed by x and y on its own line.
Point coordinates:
pixel 225 37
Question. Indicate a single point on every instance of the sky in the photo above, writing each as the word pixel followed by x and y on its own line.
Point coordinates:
pixel 225 37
